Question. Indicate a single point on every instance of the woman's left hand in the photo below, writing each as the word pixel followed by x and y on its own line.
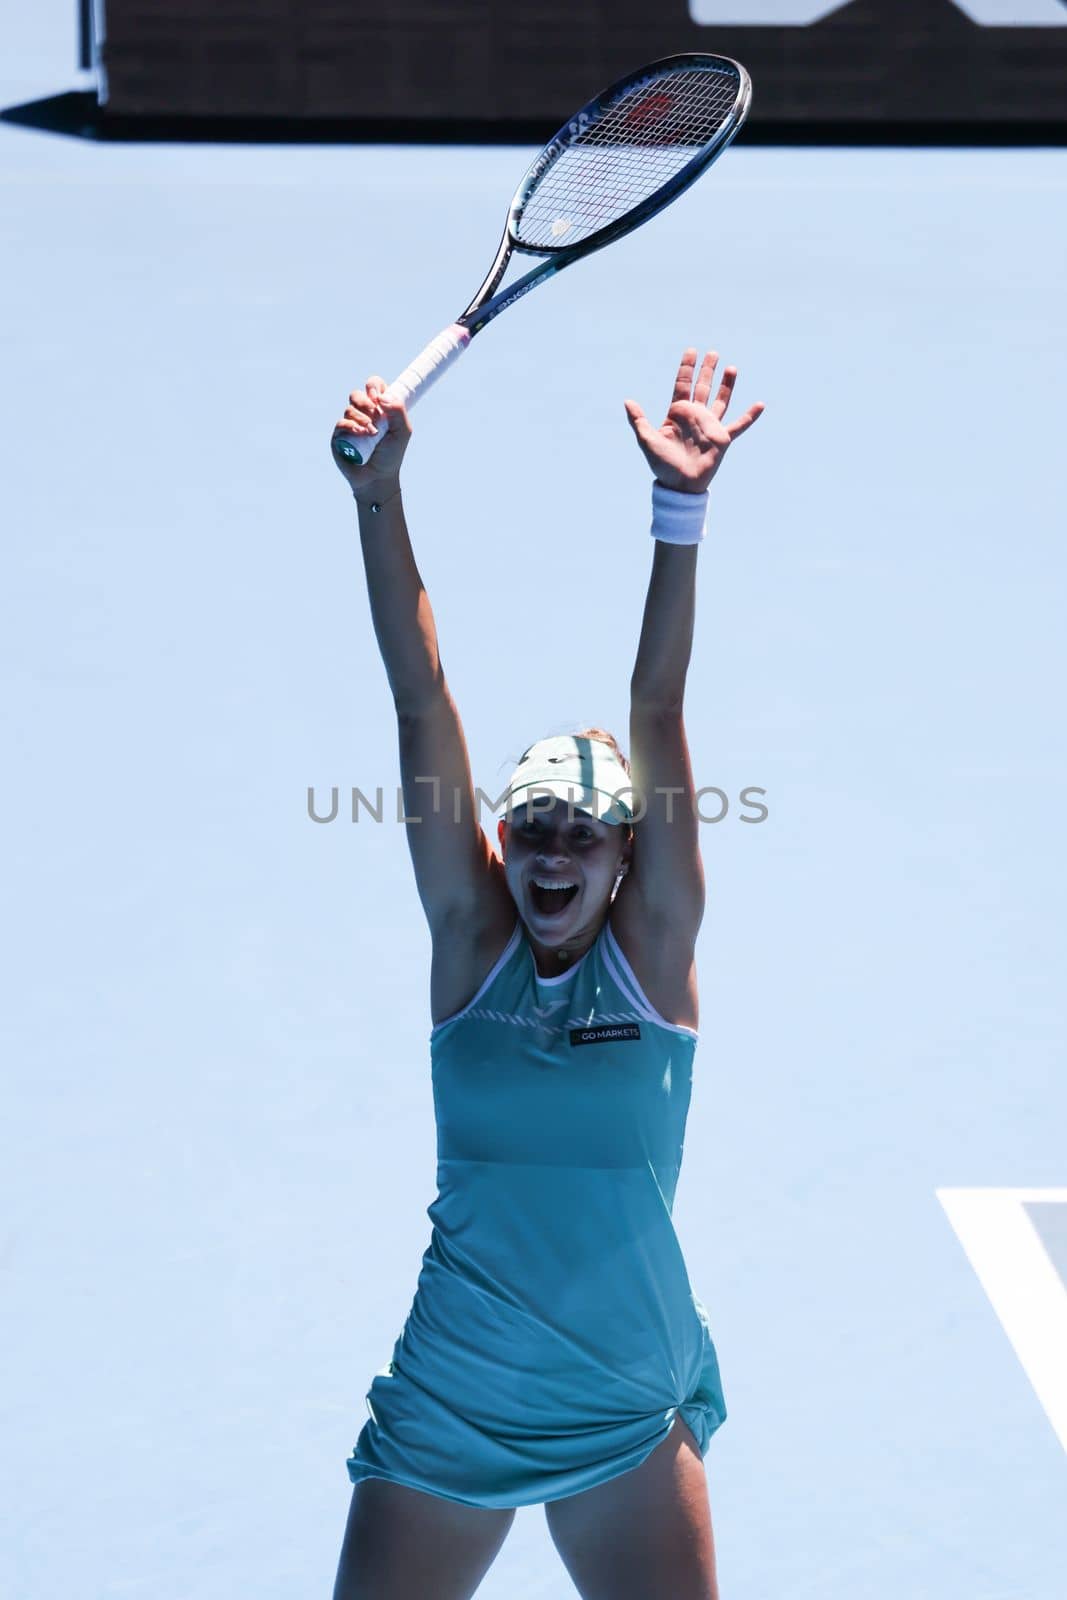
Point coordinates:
pixel 687 451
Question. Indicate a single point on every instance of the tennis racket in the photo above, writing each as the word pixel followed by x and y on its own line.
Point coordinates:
pixel 614 164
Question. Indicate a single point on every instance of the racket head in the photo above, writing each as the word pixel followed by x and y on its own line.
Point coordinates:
pixel 628 153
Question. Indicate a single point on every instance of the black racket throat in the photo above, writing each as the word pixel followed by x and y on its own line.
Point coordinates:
pixel 487 304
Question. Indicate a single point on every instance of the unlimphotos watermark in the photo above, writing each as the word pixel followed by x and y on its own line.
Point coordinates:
pixel 630 802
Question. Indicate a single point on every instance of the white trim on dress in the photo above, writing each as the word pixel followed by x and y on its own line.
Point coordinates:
pixel 500 960
pixel 561 977
pixel 626 979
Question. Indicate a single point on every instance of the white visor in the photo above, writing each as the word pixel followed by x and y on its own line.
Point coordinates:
pixel 583 772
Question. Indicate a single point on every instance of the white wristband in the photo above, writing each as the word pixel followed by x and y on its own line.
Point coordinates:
pixel 678 518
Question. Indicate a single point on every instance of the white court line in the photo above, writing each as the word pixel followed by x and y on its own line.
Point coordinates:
pixel 1025 1290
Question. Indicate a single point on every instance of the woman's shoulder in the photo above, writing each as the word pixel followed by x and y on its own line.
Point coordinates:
pixel 466 953
pixel 660 959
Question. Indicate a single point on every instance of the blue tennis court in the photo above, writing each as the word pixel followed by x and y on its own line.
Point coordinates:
pixel 219 1140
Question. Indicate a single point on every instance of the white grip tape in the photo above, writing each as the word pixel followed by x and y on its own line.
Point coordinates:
pixel 426 368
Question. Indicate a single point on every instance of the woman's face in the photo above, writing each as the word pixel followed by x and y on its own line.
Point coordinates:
pixel 561 866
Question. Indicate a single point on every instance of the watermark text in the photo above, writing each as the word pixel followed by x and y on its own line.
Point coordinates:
pixel 710 803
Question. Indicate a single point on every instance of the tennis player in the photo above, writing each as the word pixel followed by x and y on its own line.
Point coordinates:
pixel 555 1352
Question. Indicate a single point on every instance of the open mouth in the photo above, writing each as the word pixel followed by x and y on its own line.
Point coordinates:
pixel 551 901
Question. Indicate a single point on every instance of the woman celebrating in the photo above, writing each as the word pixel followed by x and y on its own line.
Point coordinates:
pixel 555 1353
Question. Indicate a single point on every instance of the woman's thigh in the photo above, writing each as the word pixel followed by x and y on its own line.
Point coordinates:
pixel 402 1544
pixel 644 1534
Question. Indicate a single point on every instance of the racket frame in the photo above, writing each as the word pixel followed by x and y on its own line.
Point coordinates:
pixel 442 351
pixel 486 305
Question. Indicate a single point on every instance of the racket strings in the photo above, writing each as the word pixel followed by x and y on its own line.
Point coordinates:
pixel 629 150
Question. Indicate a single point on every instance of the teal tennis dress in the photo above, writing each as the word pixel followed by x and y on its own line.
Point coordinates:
pixel 554 1334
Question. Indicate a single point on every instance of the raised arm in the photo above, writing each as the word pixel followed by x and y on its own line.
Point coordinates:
pixel 454 862
pixel 666 881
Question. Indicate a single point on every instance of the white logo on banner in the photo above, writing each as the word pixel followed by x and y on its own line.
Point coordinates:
pixel 1015 13
pixel 1021 1279
pixel 799 13
pixel 762 13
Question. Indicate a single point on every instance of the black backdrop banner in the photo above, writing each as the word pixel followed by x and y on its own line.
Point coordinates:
pixel 528 63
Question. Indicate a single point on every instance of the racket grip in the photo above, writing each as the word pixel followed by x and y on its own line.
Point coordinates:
pixel 426 368
pixel 359 447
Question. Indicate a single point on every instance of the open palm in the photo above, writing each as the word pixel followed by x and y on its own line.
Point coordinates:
pixel 686 452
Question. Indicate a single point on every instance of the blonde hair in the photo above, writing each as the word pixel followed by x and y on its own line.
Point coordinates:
pixel 592 733
pixel 606 738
